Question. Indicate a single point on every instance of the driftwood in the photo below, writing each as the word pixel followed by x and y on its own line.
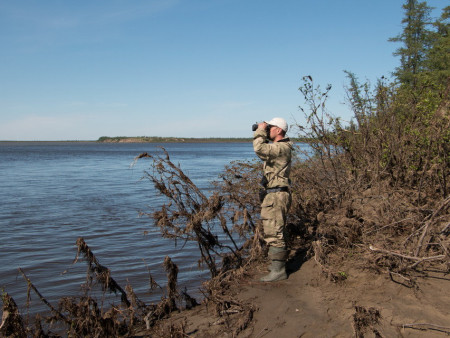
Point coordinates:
pixel 427 224
pixel 417 260
pixel 425 326
pixel 431 245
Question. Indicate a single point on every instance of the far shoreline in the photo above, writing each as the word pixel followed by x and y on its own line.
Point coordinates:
pixel 146 139
pixel 158 139
pixel 138 140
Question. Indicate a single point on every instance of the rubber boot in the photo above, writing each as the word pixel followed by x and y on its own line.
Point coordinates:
pixel 278 265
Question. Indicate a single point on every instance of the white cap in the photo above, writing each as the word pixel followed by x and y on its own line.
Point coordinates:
pixel 278 122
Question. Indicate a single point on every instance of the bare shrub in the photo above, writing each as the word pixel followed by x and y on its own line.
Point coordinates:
pixel 189 215
pixel 380 182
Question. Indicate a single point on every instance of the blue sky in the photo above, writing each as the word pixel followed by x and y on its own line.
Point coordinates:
pixel 78 70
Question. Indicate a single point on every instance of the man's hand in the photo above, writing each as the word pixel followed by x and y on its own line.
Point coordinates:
pixel 262 125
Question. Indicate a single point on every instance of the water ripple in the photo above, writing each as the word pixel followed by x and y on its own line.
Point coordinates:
pixel 53 193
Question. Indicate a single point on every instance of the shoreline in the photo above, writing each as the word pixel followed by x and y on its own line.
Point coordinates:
pixel 154 139
pixel 148 140
pixel 309 304
pixel 138 140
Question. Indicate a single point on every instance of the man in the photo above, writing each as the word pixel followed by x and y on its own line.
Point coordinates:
pixel 276 203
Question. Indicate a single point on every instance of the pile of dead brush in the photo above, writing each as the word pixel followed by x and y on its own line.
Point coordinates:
pixel 224 225
pixel 86 316
pixel 378 187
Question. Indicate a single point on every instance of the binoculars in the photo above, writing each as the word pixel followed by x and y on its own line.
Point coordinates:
pixel 255 126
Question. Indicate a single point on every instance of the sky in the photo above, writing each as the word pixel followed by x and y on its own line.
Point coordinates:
pixel 79 70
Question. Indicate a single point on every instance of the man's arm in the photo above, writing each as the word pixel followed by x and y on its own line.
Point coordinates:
pixel 260 142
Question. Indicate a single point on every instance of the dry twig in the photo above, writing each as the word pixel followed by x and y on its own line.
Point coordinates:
pixel 45 301
pixel 426 326
pixel 429 221
pixel 413 258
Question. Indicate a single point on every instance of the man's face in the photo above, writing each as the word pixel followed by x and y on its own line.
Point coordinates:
pixel 274 131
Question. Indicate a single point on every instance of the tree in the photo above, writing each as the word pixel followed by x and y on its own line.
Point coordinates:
pixel 438 57
pixel 416 41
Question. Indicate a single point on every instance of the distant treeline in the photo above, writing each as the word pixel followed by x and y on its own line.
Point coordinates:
pixel 158 139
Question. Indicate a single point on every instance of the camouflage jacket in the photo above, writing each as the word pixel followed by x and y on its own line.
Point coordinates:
pixel 276 157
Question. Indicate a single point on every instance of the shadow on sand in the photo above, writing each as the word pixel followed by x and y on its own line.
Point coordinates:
pixel 296 260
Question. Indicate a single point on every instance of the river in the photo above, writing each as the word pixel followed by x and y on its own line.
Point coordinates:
pixel 51 193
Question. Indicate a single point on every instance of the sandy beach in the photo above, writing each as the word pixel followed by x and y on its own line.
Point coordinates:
pixel 307 304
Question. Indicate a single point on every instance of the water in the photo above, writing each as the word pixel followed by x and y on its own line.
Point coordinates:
pixel 52 193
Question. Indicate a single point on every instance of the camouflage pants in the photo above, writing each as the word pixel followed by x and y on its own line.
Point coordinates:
pixel 274 210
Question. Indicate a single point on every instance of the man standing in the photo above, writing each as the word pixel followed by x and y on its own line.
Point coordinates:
pixel 276 203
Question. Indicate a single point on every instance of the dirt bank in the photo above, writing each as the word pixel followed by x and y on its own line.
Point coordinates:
pixel 366 304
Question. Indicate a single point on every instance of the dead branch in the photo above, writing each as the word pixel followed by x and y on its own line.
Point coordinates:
pixel 418 259
pixel 388 225
pixel 425 326
pixel 391 273
pixel 426 259
pixel 138 157
pixel 58 314
pixel 413 258
pixel 408 282
pixel 429 221
pixel 172 274
pixel 102 274
pixel 167 304
pixel 191 216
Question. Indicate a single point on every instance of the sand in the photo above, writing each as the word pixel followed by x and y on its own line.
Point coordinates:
pixel 307 304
